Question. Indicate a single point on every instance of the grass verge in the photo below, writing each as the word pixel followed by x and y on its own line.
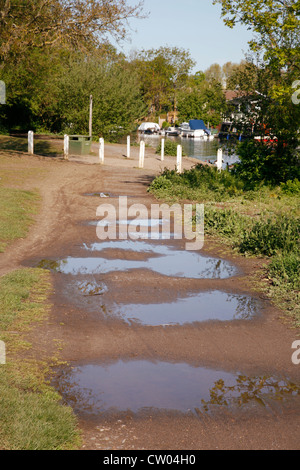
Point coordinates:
pixel 264 222
pixel 31 414
pixel 16 210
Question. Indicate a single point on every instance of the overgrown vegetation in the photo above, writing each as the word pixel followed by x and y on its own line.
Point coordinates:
pixel 31 414
pixel 264 222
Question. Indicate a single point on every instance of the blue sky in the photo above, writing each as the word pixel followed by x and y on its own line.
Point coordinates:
pixel 195 25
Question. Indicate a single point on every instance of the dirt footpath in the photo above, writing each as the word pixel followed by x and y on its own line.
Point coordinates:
pixel 90 336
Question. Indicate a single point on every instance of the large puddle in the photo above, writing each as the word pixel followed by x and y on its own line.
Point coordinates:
pixel 163 259
pixel 206 306
pixel 141 386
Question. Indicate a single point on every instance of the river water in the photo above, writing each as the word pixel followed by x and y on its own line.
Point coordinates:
pixel 205 151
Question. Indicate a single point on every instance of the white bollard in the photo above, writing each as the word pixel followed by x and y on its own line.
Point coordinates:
pixel 142 154
pixel 219 159
pixel 162 149
pixel 30 142
pixel 101 150
pixel 179 158
pixel 128 146
pixel 66 146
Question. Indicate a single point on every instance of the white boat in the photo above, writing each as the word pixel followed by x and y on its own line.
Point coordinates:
pixel 149 127
pixel 196 129
pixel 172 131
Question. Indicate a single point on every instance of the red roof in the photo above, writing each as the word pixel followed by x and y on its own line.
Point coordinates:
pixel 232 94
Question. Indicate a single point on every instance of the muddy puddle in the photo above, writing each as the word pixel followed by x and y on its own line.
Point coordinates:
pixel 166 260
pixel 142 229
pixel 143 386
pixel 206 306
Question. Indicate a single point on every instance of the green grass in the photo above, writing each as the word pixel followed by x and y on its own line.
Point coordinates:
pixel 264 222
pixel 43 147
pixel 31 414
pixel 16 210
pixel 170 148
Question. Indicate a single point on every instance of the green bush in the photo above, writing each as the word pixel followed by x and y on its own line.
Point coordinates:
pixel 272 236
pixel 170 148
pixel 268 164
pixel 286 268
pixel 205 181
pixel 226 222
pixel 291 187
pixel 161 182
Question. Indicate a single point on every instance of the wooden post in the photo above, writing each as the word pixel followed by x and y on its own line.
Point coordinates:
pixel 66 147
pixel 179 158
pixel 128 146
pixel 30 143
pixel 142 154
pixel 101 150
pixel 162 149
pixel 219 159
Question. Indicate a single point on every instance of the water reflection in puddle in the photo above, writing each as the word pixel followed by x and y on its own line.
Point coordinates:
pixel 147 386
pixel 214 305
pixel 91 288
pixel 99 194
pixel 138 229
pixel 133 222
pixel 171 262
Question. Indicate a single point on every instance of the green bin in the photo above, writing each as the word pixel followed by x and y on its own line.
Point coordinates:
pixel 80 144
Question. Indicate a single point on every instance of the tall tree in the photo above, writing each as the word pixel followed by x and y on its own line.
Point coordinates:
pixel 276 24
pixel 163 72
pixel 229 70
pixel 75 24
pixel 117 102
pixel 268 81
pixel 214 73
pixel 205 100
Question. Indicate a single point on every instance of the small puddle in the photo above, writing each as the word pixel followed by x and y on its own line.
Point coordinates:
pixel 141 386
pixel 91 288
pixel 170 262
pixel 207 306
pixel 100 194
